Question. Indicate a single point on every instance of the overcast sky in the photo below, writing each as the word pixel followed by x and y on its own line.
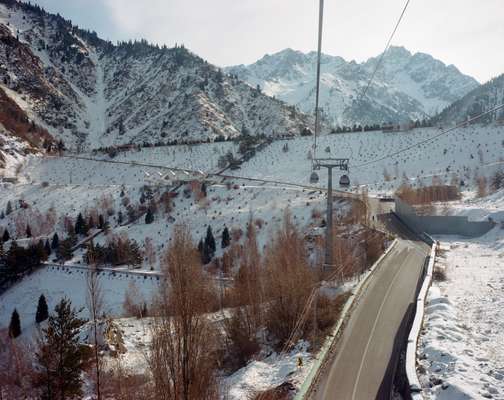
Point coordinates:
pixel 466 33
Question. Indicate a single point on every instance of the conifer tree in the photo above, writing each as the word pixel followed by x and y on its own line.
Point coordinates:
pixel 28 231
pixel 226 239
pixel 149 217
pixel 47 248
pixel 6 236
pixel 8 209
pixel 120 217
pixel 42 310
pixel 80 225
pixel 101 222
pixel 55 242
pixel 15 325
pixel 210 241
pixel 60 356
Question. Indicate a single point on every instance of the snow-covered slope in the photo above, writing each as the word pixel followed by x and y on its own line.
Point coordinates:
pixel 479 100
pixel 461 347
pixel 93 94
pixel 406 86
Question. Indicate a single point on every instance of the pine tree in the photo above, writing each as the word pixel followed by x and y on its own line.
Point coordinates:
pixel 28 231
pixel 47 248
pixel 210 241
pixel 65 249
pixel 101 222
pixel 15 325
pixel 55 242
pixel 80 225
pixel 2 253
pixel 6 236
pixel 42 310
pixel 120 217
pixel 226 239
pixel 8 209
pixel 60 356
pixel 149 217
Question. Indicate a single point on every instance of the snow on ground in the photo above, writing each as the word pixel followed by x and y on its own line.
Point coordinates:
pixel 462 343
pixel 463 152
pixel 63 171
pixel 268 373
pixel 57 282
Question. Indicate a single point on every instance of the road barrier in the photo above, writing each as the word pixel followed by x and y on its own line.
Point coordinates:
pixel 329 345
pixel 415 389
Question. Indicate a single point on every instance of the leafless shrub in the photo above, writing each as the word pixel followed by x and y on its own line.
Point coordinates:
pixel 134 304
pixel 182 355
pixel 288 280
pixel 439 274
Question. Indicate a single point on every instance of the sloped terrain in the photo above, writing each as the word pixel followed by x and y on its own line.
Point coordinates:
pixel 479 100
pixel 94 94
pixel 406 86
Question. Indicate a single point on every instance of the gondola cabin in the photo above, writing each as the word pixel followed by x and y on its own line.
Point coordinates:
pixel 344 181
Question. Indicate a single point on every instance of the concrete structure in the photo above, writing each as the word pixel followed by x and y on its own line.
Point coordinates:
pixel 440 224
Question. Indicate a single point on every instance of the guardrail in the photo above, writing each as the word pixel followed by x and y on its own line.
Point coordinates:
pixel 322 357
pixel 411 349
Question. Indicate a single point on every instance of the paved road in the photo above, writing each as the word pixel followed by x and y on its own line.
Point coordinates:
pixel 365 348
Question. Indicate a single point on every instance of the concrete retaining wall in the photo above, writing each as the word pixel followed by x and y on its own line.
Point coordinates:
pixel 440 224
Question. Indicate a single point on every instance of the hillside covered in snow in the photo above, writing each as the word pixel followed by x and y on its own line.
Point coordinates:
pixel 92 93
pixel 482 99
pixel 406 85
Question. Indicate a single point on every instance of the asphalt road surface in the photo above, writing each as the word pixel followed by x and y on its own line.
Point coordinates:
pixel 364 351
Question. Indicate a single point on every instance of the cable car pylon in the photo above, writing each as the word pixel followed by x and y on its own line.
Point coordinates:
pixel 329 163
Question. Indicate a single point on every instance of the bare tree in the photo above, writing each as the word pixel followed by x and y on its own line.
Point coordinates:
pixel 94 303
pixel 182 354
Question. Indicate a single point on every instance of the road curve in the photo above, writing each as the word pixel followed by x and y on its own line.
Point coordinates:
pixel 365 348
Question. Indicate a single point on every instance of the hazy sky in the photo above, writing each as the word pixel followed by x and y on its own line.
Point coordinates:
pixel 466 33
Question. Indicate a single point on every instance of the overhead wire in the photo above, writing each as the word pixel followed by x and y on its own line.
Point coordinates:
pixel 377 66
pixel 430 139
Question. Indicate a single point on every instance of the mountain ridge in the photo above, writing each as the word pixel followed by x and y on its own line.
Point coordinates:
pixel 93 93
pixel 406 86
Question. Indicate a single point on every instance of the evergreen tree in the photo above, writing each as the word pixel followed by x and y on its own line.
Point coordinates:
pixel 226 239
pixel 55 242
pixel 2 254
pixel 101 222
pixel 80 225
pixel 47 248
pixel 6 236
pixel 149 217
pixel 15 325
pixel 2 215
pixel 204 189
pixel 8 209
pixel 120 217
pixel 42 310
pixel 65 249
pixel 210 241
pixel 209 246
pixel 135 256
pixel 28 231
pixel 60 356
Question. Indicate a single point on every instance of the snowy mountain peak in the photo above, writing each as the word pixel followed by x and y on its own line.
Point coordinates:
pixel 406 86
